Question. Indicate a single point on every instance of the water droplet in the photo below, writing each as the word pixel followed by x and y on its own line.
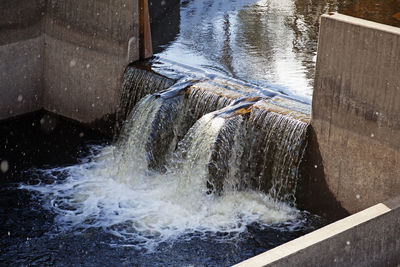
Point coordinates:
pixel 348 243
pixel 81 135
pixel 358 196
pixel 87 66
pixel 372 135
pixel 19 98
pixel 9 234
pixel 316 166
pixel 72 63
pixel 4 166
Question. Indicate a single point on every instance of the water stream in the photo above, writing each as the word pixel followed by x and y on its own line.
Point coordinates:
pixel 184 163
pixel 206 164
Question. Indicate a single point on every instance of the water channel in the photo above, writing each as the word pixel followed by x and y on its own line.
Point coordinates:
pixel 194 178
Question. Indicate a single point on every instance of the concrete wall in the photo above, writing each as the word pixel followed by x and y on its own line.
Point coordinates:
pixel 368 238
pixel 355 115
pixel 88 44
pixel 21 56
pixel 66 56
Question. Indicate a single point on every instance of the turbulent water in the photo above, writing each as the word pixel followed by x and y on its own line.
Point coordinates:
pixel 187 162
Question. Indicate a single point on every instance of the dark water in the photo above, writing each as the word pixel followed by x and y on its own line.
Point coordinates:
pixel 267 43
pixel 30 235
pixel 271 43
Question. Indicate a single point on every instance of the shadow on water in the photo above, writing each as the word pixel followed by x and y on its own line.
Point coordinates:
pixel 164 22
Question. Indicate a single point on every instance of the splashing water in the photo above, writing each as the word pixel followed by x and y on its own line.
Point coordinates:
pixel 127 191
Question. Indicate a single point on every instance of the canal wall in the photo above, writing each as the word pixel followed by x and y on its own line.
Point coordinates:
pixel 355 133
pixel 67 57
pixel 367 238
pixel 21 56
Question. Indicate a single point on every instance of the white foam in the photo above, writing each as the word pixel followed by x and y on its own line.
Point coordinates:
pixel 115 191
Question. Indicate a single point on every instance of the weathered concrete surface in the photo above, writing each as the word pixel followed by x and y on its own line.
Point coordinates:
pixel 87 46
pixel 66 56
pixel 355 114
pixel 87 79
pixel 20 20
pixel 368 238
pixel 21 68
pixel 21 56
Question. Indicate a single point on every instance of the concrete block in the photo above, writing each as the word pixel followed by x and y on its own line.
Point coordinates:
pixel 73 52
pixel 20 20
pixel 355 112
pixel 101 25
pixel 81 83
pixel 368 238
pixel 21 56
pixel 88 44
pixel 21 68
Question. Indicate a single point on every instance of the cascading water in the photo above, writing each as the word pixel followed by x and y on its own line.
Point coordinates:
pixel 137 83
pixel 188 162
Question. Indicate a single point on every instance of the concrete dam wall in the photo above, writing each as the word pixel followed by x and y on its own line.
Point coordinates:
pixel 65 56
pixel 355 113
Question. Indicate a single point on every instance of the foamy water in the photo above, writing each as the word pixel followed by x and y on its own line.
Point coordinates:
pixel 114 190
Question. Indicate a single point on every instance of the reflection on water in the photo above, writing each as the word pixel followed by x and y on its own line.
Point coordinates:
pixel 262 41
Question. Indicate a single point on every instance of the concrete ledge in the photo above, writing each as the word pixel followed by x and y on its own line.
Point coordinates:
pixel 368 238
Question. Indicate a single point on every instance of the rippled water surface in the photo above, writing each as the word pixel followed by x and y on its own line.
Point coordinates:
pixel 271 43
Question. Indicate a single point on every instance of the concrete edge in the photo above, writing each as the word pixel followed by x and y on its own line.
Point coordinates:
pixel 362 22
pixel 323 234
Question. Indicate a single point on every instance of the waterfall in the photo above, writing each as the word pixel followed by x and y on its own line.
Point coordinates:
pixel 138 82
pixel 275 145
pixel 189 160
pixel 253 148
pixel 161 120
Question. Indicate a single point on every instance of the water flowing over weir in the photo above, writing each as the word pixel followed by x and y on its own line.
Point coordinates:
pixel 189 160
pixel 255 148
pixel 137 83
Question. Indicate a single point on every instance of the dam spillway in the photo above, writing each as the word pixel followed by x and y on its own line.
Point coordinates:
pixel 185 168
pixel 347 182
